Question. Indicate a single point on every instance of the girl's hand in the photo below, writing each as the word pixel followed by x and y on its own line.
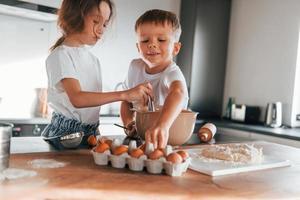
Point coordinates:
pixel 158 136
pixel 139 93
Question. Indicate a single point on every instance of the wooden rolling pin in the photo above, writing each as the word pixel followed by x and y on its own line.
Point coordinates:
pixel 207 132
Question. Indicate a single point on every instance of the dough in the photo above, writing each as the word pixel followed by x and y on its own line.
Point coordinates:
pixel 239 153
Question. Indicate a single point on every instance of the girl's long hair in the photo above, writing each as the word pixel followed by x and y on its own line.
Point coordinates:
pixel 71 16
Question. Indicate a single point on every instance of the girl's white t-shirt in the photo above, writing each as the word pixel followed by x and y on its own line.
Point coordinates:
pixel 77 63
pixel 160 82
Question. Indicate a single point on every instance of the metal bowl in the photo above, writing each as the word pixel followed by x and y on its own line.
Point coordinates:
pixel 72 140
pixel 5 135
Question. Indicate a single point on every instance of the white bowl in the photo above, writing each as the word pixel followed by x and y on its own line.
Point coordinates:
pixel 180 131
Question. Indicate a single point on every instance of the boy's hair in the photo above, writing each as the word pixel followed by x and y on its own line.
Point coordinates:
pixel 160 17
pixel 72 13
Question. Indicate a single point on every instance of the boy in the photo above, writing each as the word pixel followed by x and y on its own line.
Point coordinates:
pixel 158 33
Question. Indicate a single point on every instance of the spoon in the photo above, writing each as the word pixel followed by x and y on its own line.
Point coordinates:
pixel 118 125
pixel 151 106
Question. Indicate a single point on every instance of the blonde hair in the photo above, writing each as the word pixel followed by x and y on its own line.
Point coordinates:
pixel 71 16
pixel 160 17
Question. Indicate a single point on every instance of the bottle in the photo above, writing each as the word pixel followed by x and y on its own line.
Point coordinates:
pixel 207 132
pixel 231 101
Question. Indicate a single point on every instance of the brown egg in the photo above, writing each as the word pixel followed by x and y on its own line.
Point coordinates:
pixel 120 150
pixel 183 154
pixel 102 139
pixel 143 147
pixel 174 158
pixel 109 142
pixel 101 147
pixel 156 154
pixel 136 153
pixel 92 140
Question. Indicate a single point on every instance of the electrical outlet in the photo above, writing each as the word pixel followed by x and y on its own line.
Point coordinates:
pixel 298 117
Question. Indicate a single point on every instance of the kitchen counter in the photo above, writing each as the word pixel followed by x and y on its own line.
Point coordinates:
pixel 37 144
pixel 283 132
pixel 82 179
pixel 107 121
pixel 104 119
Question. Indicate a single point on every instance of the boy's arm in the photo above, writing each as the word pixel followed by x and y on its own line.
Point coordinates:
pixel 159 133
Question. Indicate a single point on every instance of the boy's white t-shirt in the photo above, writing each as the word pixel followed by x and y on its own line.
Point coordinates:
pixel 160 82
pixel 77 63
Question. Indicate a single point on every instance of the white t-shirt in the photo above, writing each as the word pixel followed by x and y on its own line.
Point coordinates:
pixel 77 63
pixel 160 82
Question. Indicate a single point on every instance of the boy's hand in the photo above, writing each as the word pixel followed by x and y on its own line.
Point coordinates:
pixel 131 129
pixel 140 93
pixel 158 135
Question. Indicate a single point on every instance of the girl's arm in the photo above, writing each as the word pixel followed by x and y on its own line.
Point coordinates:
pixel 82 99
pixel 159 133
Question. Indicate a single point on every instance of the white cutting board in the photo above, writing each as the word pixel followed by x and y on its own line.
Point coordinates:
pixel 219 168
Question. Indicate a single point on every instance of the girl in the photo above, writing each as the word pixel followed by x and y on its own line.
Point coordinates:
pixel 74 74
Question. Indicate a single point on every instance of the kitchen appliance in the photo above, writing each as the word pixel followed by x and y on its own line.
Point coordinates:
pixel 273 116
pixel 28 129
pixel 244 113
pixel 5 135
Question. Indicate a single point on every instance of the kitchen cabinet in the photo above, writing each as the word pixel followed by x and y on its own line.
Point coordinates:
pixel 28 34
pixel 202 58
pixel 258 136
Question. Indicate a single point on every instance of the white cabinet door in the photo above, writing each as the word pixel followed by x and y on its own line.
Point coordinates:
pixel 22 39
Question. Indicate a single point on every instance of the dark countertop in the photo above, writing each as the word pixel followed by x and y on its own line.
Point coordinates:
pixel 38 145
pixel 283 132
pixel 104 119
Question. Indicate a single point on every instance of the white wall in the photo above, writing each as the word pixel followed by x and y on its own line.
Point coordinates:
pixel 296 99
pixel 24 48
pixel 25 37
pixel 262 53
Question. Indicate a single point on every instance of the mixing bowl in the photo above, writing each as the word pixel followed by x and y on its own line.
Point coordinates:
pixel 180 131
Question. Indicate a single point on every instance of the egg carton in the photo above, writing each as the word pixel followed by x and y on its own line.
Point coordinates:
pixel 161 164
pixel 101 158
pixel 138 164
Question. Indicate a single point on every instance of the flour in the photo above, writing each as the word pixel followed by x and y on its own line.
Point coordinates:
pixel 46 163
pixel 232 154
pixel 13 173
